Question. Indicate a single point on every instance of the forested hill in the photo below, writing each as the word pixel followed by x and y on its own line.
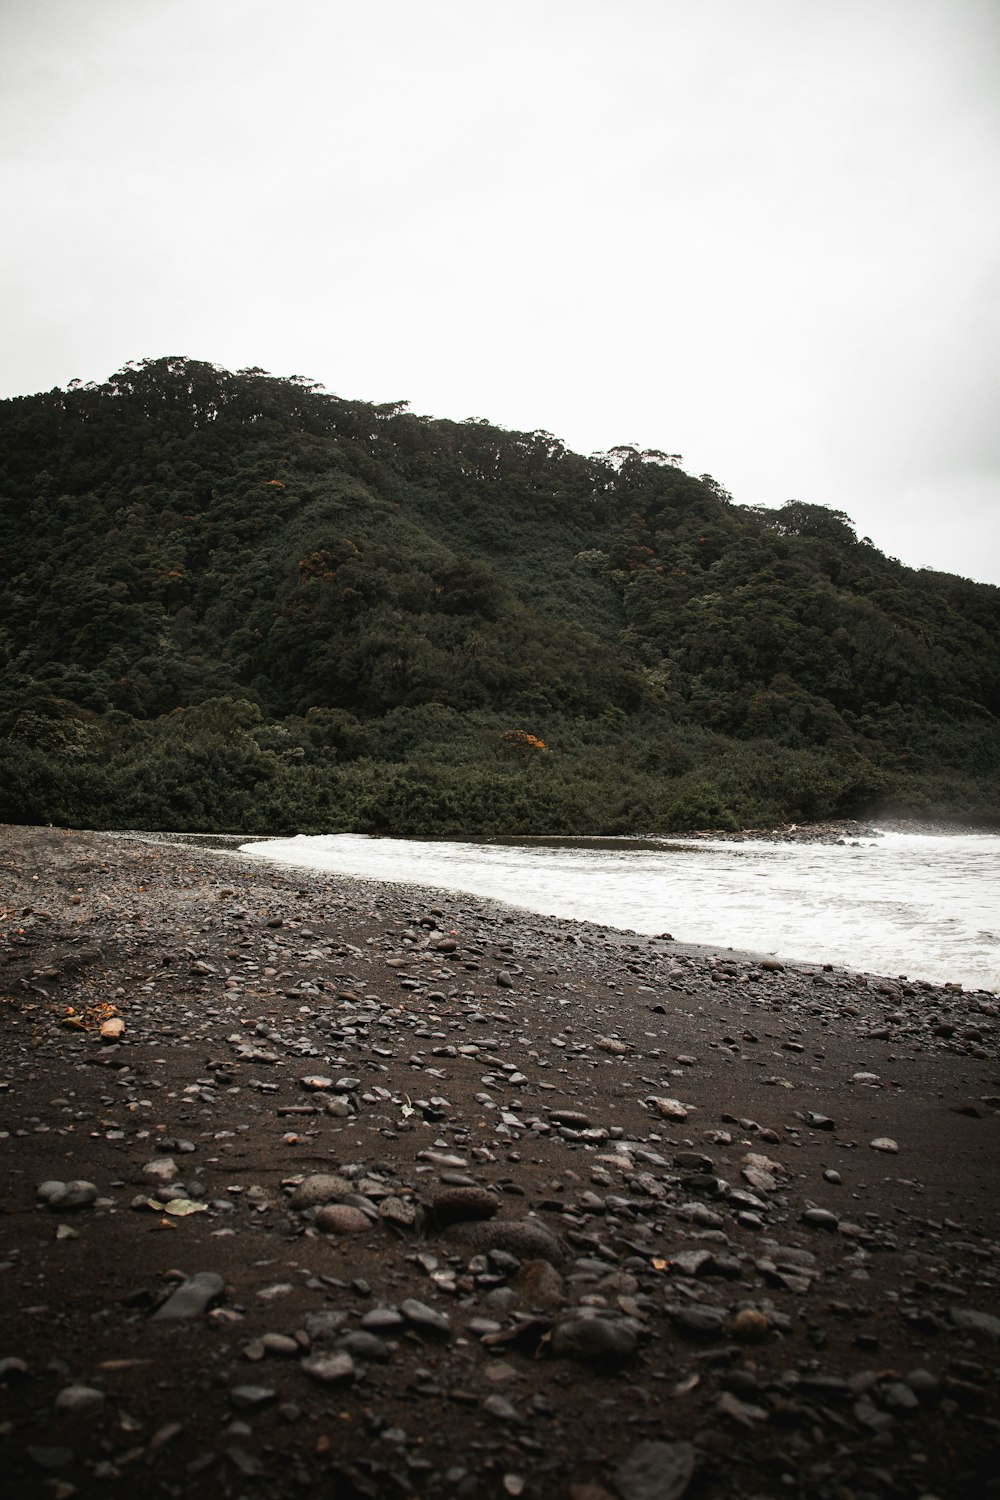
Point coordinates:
pixel 234 602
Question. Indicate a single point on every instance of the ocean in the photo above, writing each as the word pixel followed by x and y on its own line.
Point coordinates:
pixel 922 905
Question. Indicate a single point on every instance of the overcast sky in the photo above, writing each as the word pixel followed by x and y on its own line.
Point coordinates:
pixel 764 234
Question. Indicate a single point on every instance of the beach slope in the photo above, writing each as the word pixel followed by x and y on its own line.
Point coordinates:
pixel 313 1185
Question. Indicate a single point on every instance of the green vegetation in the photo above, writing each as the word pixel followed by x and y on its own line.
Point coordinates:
pixel 233 602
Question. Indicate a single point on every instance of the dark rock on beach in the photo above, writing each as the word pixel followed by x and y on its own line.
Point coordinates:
pixel 381 1191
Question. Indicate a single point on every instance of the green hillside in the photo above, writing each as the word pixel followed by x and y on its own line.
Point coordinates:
pixel 233 602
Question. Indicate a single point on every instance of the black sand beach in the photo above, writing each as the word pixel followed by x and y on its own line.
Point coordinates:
pixel 377 1191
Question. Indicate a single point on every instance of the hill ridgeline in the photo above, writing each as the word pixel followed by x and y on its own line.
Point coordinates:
pixel 232 602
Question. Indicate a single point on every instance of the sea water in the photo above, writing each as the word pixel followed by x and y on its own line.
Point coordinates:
pixel 923 905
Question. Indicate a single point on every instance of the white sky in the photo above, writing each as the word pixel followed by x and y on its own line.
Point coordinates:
pixel 764 234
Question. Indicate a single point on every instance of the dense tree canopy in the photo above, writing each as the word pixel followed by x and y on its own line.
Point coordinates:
pixel 231 601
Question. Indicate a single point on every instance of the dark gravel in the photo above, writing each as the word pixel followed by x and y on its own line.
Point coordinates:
pixel 378 1192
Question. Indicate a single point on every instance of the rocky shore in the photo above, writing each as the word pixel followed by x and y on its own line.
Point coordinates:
pixel 312 1186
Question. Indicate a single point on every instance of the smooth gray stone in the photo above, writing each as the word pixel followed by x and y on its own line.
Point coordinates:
pixel 279 1343
pixel 78 1194
pixel 61 1196
pixel 361 1344
pixel 655 1471
pixel 50 1458
pixel 692 1262
pixel 51 1188
pixel 698 1320
pixel 821 1218
pixel 595 1341
pixel 192 1297
pixel 77 1398
pixel 249 1397
pixel 976 1322
pixel 501 1409
pixel 330 1369
pixel 382 1320
pixel 424 1317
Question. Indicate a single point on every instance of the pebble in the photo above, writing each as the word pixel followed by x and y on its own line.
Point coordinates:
pixel 501 1409
pixel 898 1396
pixel 252 1397
pixel 330 1369
pixel 656 1471
pixel 527 1240
pixel 452 1205
pixel 325 1325
pixel 975 1321
pixel 594 1341
pixel 162 1169
pixel 884 1143
pixel 402 1212
pixel 743 1413
pixel 697 1320
pixel 426 1319
pixel 276 1289
pixel 67 1196
pixel 668 1109
pixel 539 1284
pixel 821 1218
pixel 341 1218
pixel 383 1320
pixel 748 1326
pixel 322 1187
pixel 365 1346
pixel 279 1343
pixel 46 1457
pixel 193 1297
pixel 691 1262
pixel 78 1398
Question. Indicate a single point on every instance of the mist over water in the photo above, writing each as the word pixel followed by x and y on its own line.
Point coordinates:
pixel 923 905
